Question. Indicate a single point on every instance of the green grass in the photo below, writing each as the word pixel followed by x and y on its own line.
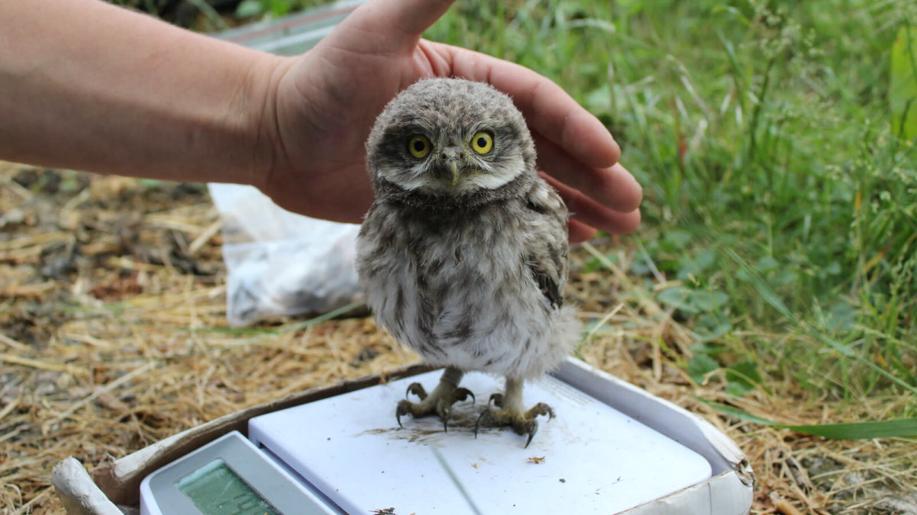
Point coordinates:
pixel 776 191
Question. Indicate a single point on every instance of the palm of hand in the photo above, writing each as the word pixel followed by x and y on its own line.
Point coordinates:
pixel 324 119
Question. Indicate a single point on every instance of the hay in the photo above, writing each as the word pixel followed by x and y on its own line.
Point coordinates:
pixel 113 336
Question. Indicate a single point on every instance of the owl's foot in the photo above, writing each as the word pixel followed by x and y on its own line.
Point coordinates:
pixel 439 402
pixel 507 411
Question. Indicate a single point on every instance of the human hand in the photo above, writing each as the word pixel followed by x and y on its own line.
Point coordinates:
pixel 323 105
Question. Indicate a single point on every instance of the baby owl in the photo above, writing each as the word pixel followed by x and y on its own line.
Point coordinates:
pixel 463 254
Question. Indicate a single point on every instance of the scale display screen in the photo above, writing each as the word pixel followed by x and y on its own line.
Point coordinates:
pixel 216 490
pixel 228 476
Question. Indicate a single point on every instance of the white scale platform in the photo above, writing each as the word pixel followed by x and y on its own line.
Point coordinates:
pixel 595 459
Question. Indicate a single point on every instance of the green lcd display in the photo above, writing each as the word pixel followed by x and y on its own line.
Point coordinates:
pixel 216 490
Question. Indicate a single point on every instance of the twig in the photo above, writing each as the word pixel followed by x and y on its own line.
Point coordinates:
pixel 204 237
pixel 14 344
pixel 41 365
pixel 10 406
pixel 93 396
pixel 27 507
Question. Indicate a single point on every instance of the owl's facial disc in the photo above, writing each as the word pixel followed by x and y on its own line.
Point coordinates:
pixel 450 137
pixel 458 161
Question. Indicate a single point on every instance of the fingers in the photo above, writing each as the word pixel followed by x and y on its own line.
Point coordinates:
pixel 580 232
pixel 548 109
pixel 587 211
pixel 573 145
pixel 614 186
pixel 394 18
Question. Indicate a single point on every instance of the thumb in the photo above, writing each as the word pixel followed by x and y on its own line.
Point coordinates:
pixel 402 21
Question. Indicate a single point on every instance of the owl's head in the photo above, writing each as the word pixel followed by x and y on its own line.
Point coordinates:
pixel 450 137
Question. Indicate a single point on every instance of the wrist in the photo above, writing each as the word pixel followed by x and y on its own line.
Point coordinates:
pixel 262 114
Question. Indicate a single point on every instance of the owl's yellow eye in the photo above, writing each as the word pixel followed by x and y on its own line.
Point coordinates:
pixel 482 142
pixel 419 146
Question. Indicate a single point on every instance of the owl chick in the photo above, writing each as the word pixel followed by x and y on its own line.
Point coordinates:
pixel 463 254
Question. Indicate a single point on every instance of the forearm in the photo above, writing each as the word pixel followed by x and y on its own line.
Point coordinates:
pixel 90 86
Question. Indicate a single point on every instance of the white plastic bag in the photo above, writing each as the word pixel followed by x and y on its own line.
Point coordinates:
pixel 279 263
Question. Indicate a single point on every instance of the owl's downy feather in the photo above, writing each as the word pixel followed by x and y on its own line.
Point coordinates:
pixel 463 254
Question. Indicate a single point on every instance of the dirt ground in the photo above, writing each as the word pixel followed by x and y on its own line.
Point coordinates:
pixel 113 336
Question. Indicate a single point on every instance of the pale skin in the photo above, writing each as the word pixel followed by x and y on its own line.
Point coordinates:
pixel 90 86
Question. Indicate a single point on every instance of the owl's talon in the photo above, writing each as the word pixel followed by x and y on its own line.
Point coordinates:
pixel 540 409
pixel 477 424
pixel 496 399
pixel 461 394
pixel 438 402
pixel 444 410
pixel 521 422
pixel 532 431
pixel 417 389
pixel 404 407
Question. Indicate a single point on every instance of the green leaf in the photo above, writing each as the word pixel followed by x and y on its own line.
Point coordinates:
pixel 709 300
pixel 738 413
pixel 745 372
pixel 900 428
pixel 749 274
pixel 677 240
pixel 249 8
pixel 737 389
pixel 692 266
pixel 742 377
pixel 595 264
pixel 693 301
pixel 841 317
pixel 711 326
pixel 281 7
pixel 902 88
pixel 701 363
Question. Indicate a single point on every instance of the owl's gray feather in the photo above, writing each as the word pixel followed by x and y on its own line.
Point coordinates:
pixel 470 273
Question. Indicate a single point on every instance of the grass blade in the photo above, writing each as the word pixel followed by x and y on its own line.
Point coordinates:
pixel 899 428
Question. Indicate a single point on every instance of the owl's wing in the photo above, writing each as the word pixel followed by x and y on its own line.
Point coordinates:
pixel 546 249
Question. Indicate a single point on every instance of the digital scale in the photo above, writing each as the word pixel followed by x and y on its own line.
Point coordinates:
pixel 346 454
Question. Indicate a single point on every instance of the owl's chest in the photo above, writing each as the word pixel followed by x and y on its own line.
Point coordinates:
pixel 458 291
pixel 478 252
pixel 436 272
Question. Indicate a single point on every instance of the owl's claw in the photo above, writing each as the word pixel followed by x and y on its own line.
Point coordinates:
pixel 461 394
pixel 532 431
pixel 417 389
pixel 403 408
pixel 484 415
pixel 523 423
pixel 438 402
pixel 541 409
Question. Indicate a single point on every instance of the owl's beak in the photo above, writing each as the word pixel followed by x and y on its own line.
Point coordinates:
pixel 453 168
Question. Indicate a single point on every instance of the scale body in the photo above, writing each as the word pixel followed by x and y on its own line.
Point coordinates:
pixel 346 454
